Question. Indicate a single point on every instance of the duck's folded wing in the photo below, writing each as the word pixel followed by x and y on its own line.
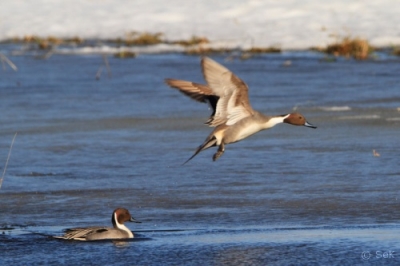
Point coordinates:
pixel 81 233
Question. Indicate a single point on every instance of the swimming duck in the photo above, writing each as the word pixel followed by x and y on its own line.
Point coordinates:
pixel 120 231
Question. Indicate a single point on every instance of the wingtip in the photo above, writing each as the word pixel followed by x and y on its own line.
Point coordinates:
pixel 173 83
pixel 203 58
pixel 168 81
pixel 206 60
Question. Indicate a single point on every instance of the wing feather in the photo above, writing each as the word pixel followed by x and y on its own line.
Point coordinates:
pixel 197 92
pixel 226 93
pixel 234 103
pixel 82 232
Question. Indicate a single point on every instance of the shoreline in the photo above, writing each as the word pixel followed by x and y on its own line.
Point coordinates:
pixel 155 43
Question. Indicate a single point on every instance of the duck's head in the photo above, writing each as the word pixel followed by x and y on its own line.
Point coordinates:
pixel 297 119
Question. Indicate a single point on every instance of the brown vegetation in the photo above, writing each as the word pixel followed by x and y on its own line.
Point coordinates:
pixel 47 42
pixel 125 54
pixel 396 51
pixel 75 40
pixel 207 51
pixel 348 47
pixel 192 41
pixel 144 38
pixel 263 50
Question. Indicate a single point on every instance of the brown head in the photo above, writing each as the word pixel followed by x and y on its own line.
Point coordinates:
pixel 122 215
pixel 297 120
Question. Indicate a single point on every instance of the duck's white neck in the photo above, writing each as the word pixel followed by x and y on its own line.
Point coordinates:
pixel 122 226
pixel 275 120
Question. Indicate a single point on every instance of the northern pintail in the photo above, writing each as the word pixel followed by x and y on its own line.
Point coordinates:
pixel 120 231
pixel 233 117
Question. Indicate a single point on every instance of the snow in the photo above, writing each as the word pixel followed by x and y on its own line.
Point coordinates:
pixel 287 24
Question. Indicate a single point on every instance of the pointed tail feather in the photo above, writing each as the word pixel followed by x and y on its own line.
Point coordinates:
pixel 210 142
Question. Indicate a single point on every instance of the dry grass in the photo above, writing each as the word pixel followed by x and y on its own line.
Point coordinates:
pixel 396 51
pixel 125 54
pixel 195 40
pixel 42 43
pixel 202 50
pixel 357 48
pixel 207 51
pixel 75 40
pixel 45 43
pixel 144 38
pixel 350 47
pixel 263 50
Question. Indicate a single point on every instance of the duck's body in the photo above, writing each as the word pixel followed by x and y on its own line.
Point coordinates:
pixel 97 233
pixel 233 117
pixel 120 231
pixel 247 127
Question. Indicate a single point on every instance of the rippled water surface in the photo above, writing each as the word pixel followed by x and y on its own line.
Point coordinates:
pixel 289 195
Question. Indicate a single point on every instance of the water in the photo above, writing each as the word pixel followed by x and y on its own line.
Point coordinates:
pixel 286 196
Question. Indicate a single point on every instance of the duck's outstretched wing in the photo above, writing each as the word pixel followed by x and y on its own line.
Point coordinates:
pixel 233 104
pixel 197 92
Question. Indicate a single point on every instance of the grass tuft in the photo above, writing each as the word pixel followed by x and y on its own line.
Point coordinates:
pixel 396 51
pixel 207 51
pixel 125 54
pixel 144 38
pixel 350 47
pixel 263 50
pixel 195 40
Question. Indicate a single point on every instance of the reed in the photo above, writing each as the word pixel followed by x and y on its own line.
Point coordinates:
pixel 4 59
pixel 8 158
pixel 109 73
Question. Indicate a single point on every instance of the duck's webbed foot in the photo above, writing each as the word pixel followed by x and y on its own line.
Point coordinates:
pixel 219 153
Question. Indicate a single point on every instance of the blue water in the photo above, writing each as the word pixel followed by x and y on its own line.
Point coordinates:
pixel 286 196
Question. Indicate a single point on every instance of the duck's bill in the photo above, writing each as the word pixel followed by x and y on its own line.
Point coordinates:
pixel 134 220
pixel 309 125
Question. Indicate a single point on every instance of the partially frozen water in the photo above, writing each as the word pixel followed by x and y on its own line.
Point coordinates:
pixel 289 195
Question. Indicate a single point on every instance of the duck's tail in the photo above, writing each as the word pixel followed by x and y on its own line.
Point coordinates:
pixel 209 142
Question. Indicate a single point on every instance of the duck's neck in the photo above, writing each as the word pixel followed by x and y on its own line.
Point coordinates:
pixel 274 121
pixel 125 229
pixel 122 227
